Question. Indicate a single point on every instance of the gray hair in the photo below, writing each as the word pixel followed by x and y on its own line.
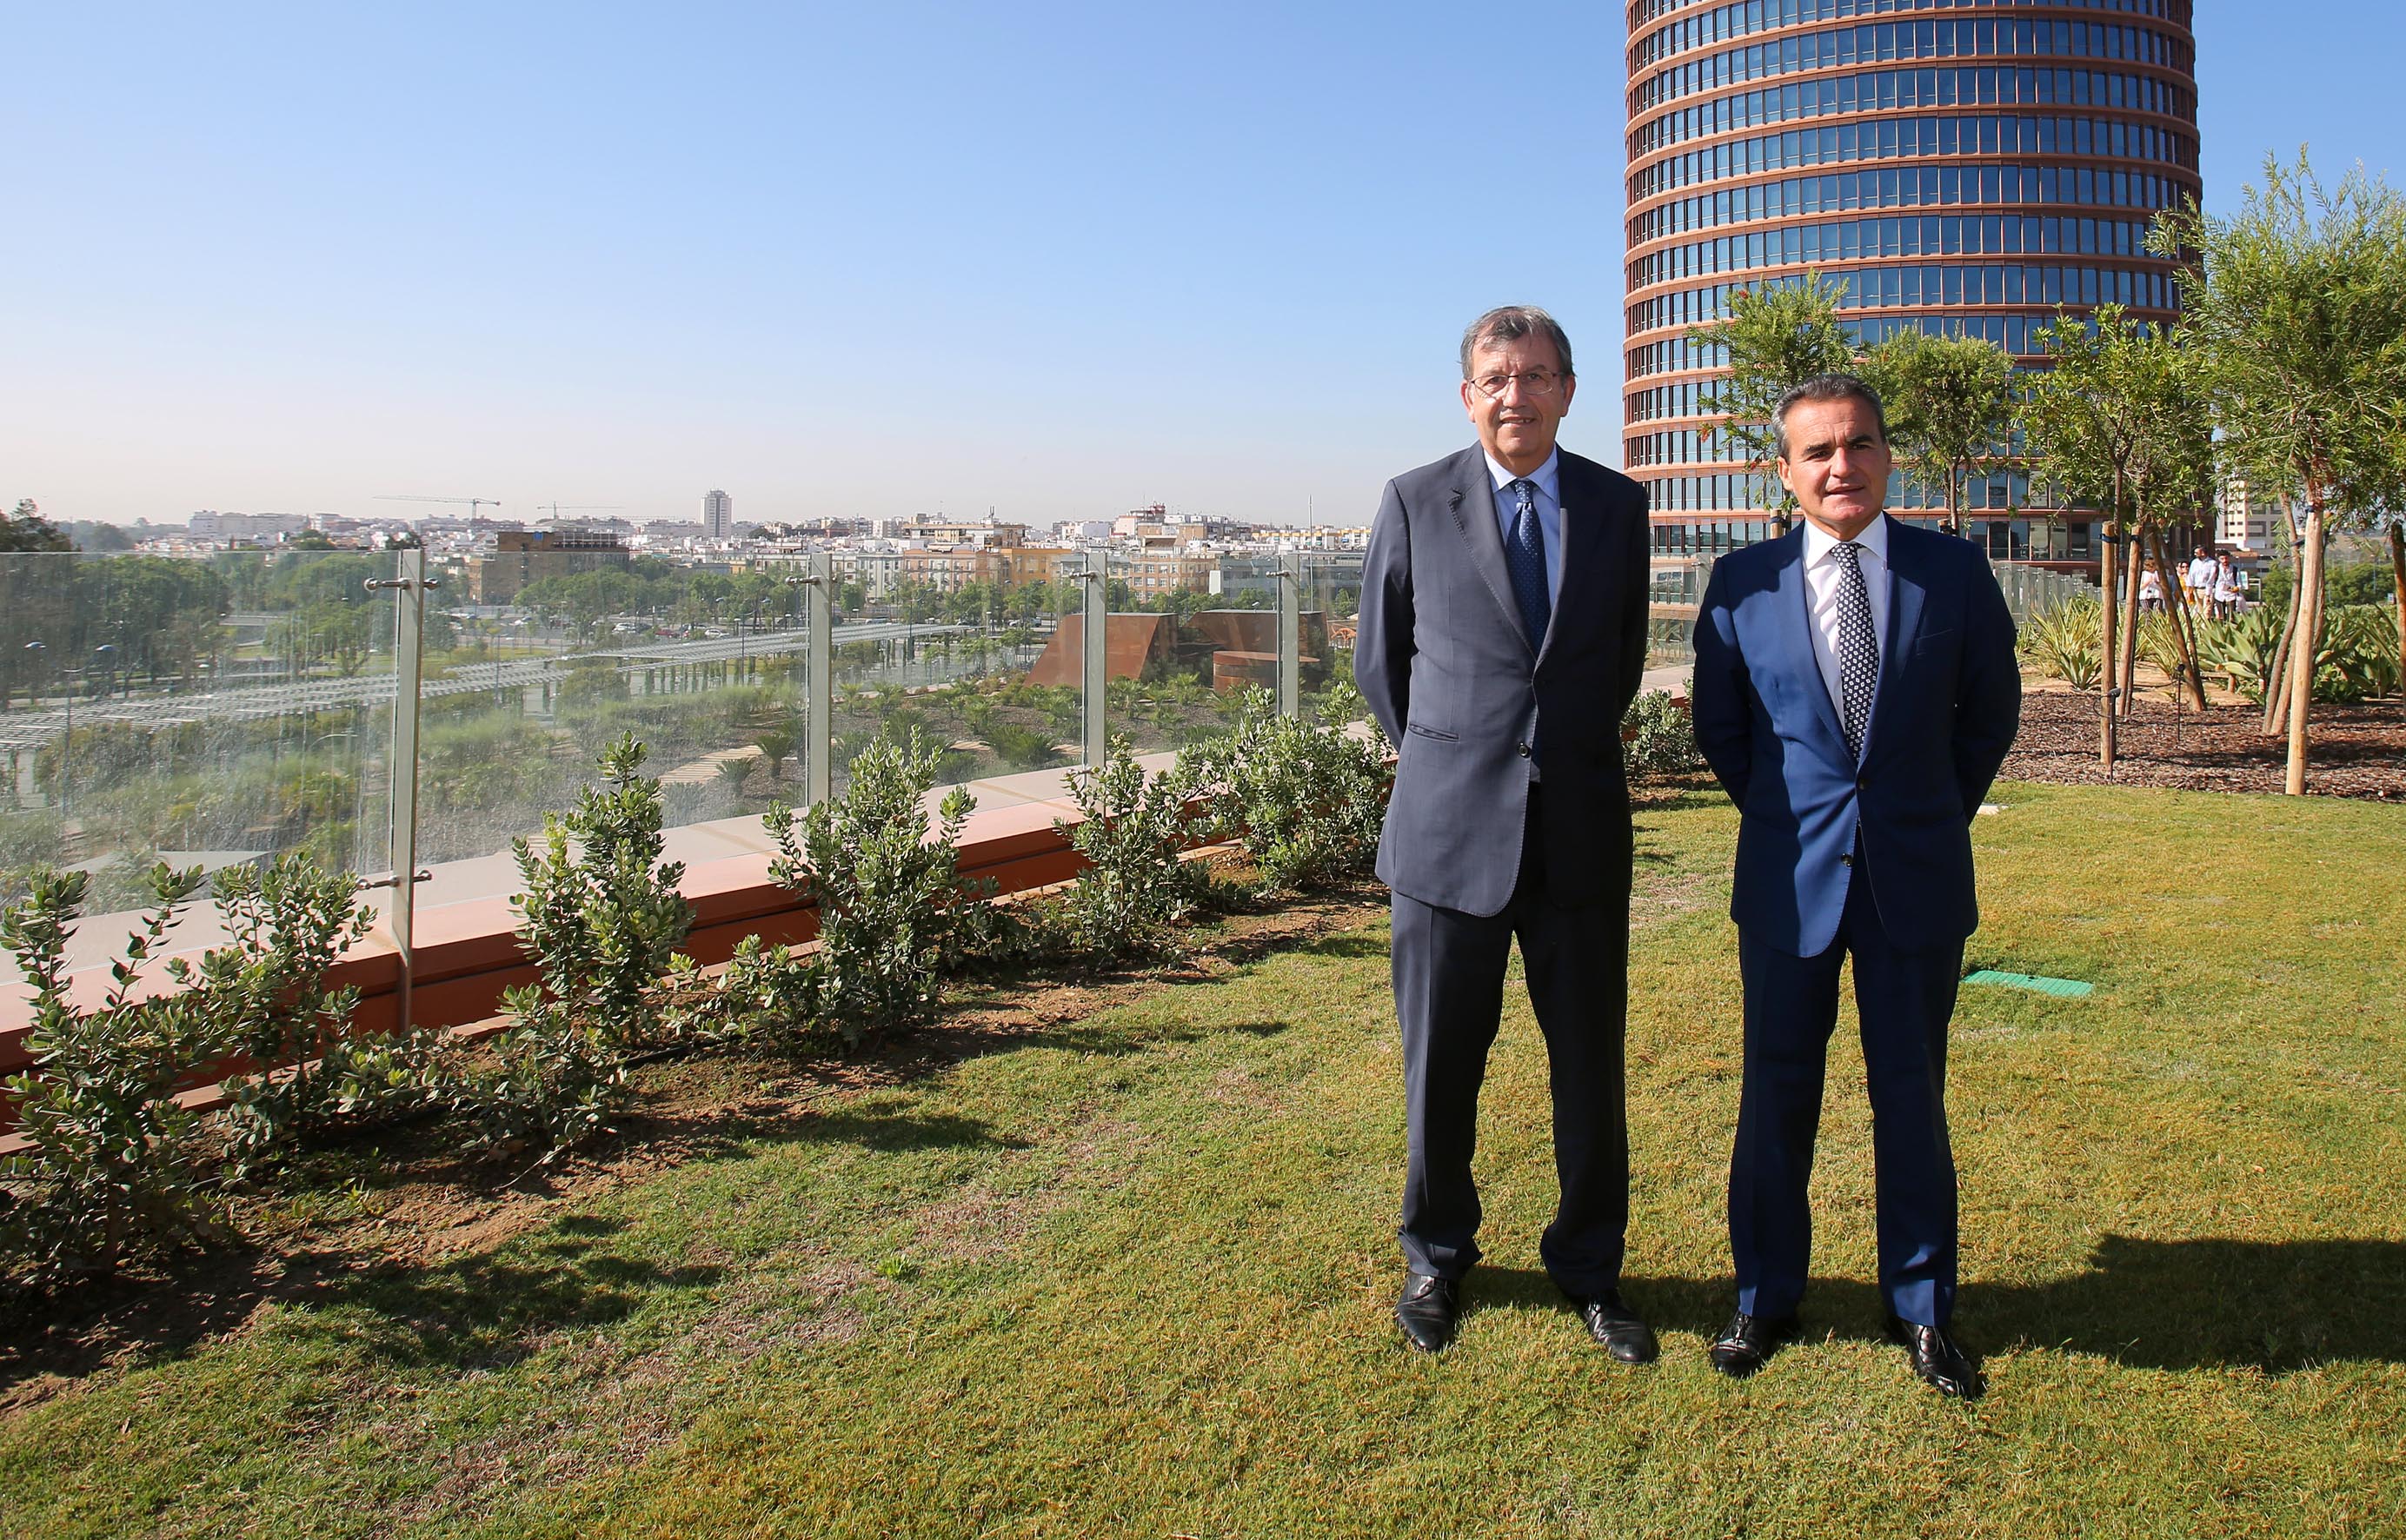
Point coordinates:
pixel 1825 387
pixel 1511 323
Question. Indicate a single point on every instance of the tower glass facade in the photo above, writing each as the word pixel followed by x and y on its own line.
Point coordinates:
pixel 1957 166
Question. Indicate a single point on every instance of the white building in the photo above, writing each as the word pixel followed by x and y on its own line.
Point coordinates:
pixel 718 515
pixel 2246 520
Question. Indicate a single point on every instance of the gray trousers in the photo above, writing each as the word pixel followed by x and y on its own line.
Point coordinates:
pixel 1449 979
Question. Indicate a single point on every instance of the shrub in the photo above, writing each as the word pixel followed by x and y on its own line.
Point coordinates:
pixel 112 1169
pixel 2242 648
pixel 2064 640
pixel 291 922
pixel 2358 659
pixel 601 913
pixel 1134 890
pixel 602 918
pixel 893 912
pixel 1305 799
pixel 1658 737
pixel 1021 748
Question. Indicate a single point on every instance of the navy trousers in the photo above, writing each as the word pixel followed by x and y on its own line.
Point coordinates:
pixel 1904 999
pixel 1448 977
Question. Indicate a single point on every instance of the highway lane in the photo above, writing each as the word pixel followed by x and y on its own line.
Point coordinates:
pixel 28 728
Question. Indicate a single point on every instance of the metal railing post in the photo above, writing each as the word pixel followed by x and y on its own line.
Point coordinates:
pixel 1290 633
pixel 818 726
pixel 408 675
pixel 1094 639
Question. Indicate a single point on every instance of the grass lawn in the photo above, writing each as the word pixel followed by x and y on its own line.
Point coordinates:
pixel 1133 1277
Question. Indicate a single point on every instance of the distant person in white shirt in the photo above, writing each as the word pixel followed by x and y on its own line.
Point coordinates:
pixel 2151 589
pixel 2226 591
pixel 2199 579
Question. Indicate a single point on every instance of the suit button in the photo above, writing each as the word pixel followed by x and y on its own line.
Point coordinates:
pixel 1862 783
pixel 1845 860
pixel 1521 749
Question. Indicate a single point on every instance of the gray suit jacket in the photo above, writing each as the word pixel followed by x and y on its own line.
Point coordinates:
pixel 1446 664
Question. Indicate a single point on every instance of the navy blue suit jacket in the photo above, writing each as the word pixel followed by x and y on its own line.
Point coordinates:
pixel 1447 666
pixel 1948 705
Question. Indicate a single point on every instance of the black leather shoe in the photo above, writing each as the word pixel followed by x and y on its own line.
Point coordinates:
pixel 1427 1310
pixel 1938 1359
pixel 1747 1342
pixel 1614 1325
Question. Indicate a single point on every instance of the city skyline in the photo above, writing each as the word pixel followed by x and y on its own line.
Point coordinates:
pixel 1063 265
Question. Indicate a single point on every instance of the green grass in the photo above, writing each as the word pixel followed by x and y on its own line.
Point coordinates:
pixel 1133 1277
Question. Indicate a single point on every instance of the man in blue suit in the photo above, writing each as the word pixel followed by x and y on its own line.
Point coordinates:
pixel 1502 634
pixel 1855 692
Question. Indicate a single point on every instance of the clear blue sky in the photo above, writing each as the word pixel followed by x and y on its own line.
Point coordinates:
pixel 1056 260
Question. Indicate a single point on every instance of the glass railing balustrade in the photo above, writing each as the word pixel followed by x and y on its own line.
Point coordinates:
pixel 1175 651
pixel 1331 612
pixel 204 713
pixel 973 659
pixel 244 705
pixel 1675 586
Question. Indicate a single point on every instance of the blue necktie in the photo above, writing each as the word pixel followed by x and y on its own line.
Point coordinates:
pixel 1525 553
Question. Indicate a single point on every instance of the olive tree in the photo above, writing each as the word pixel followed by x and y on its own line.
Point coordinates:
pixel 1777 335
pixel 2301 314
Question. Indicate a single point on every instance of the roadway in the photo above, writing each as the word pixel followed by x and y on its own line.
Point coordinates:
pixel 23 730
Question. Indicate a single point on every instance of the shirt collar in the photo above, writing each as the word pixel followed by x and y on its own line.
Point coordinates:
pixel 1819 542
pixel 1548 476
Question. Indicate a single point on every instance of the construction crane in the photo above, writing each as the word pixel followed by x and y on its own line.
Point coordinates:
pixel 556 509
pixel 474 502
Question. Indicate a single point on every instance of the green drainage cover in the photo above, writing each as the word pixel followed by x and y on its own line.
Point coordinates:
pixel 2071 989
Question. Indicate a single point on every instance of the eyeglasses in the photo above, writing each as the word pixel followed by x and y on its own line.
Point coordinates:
pixel 1534 381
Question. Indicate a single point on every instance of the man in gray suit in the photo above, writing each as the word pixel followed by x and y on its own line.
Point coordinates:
pixel 1502 635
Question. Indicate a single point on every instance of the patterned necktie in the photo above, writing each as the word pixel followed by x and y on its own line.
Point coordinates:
pixel 1525 553
pixel 1858 647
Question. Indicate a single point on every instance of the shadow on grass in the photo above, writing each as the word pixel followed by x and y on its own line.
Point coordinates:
pixel 2275 1305
pixel 494 1309
pixel 1121 1041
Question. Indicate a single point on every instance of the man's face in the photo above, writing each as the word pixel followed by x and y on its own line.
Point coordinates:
pixel 1517 425
pixel 1836 464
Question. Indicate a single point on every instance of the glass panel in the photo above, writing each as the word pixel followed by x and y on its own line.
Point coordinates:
pixel 918 655
pixel 1165 638
pixel 1331 608
pixel 212 709
pixel 550 649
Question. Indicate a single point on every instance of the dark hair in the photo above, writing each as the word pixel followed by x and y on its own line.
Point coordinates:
pixel 1511 323
pixel 1825 387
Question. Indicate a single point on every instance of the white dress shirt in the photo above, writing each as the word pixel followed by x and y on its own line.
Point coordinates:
pixel 1547 479
pixel 1822 575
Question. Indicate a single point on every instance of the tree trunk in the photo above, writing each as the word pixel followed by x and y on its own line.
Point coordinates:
pixel 2130 697
pixel 2276 678
pixel 2307 642
pixel 2398 579
pixel 2107 658
pixel 2184 637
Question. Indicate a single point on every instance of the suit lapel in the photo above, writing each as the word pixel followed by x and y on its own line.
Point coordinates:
pixel 1908 587
pixel 1473 506
pixel 1796 644
pixel 1578 509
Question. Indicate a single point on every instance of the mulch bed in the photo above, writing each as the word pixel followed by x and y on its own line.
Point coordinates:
pixel 2352 751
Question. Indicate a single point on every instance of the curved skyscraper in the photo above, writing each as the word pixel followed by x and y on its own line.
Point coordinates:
pixel 1957 166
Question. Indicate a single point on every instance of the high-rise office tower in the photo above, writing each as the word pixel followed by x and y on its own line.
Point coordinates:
pixel 1958 166
pixel 718 515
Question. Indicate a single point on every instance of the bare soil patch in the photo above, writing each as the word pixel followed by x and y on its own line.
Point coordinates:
pixel 2356 750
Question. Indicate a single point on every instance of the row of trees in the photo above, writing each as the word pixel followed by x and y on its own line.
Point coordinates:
pixel 2287 368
